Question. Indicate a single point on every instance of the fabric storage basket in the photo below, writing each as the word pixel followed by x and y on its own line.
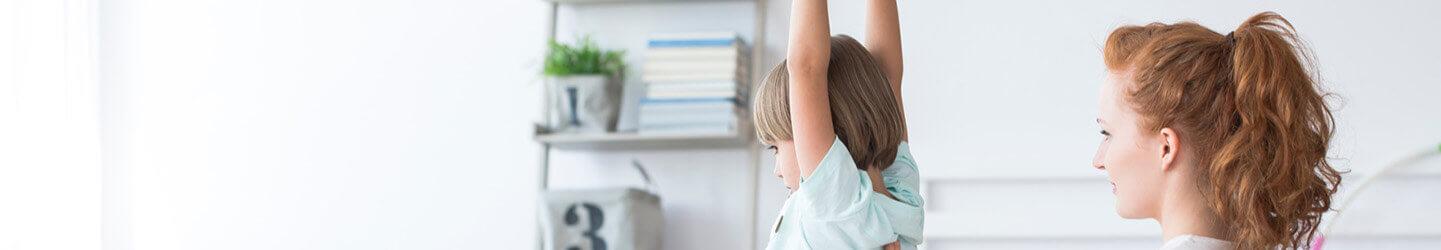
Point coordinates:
pixel 601 219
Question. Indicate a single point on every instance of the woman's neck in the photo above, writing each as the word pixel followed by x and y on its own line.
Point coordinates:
pixel 1184 211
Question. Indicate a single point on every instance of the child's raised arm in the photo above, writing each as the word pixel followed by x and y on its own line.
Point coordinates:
pixel 807 59
pixel 883 40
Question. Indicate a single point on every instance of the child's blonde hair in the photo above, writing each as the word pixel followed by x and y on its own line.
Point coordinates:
pixel 864 110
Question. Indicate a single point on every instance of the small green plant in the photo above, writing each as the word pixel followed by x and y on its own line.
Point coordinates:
pixel 583 58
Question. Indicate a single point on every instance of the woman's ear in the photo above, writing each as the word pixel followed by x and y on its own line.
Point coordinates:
pixel 1170 148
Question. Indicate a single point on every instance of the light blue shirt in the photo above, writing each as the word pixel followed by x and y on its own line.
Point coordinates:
pixel 836 209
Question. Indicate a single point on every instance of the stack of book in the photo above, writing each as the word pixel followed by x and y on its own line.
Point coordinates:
pixel 693 83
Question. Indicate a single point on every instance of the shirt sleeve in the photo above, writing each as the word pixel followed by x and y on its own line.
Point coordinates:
pixel 903 178
pixel 906 213
pixel 834 187
pixel 836 209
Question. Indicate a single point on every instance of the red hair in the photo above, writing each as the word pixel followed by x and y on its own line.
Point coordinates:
pixel 1249 103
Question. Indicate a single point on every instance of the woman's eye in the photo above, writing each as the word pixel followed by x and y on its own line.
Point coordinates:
pixel 1103 132
pixel 773 149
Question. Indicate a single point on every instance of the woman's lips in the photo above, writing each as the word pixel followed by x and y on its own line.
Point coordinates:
pixel 1113 187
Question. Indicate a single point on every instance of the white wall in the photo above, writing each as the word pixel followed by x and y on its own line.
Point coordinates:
pixel 50 167
pixel 1001 100
pixel 320 124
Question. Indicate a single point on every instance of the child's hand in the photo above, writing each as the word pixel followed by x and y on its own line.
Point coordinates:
pixel 893 246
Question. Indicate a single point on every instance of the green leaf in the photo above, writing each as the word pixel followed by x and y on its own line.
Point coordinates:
pixel 583 57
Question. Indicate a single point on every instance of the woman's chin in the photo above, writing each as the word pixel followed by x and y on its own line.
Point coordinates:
pixel 1127 213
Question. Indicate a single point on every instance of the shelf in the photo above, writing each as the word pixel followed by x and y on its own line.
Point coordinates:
pixel 620 141
pixel 638 1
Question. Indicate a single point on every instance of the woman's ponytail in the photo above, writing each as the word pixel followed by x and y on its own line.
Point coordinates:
pixel 1275 162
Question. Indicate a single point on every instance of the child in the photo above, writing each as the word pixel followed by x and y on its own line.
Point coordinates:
pixel 832 114
pixel 1221 138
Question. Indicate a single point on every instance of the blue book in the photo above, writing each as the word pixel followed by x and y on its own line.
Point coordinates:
pixel 694 39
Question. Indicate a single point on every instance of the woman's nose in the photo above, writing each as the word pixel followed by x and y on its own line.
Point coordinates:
pixel 1098 161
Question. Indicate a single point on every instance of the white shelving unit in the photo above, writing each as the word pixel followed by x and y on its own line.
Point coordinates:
pixel 742 138
pixel 628 141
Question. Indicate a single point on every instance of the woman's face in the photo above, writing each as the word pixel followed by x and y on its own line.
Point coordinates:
pixel 1130 157
pixel 786 167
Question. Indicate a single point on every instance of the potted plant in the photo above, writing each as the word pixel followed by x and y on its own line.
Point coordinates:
pixel 583 87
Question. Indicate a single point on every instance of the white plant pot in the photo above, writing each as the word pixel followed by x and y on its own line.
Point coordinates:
pixel 583 103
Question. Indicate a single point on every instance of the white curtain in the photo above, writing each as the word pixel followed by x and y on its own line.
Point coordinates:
pixel 50 170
